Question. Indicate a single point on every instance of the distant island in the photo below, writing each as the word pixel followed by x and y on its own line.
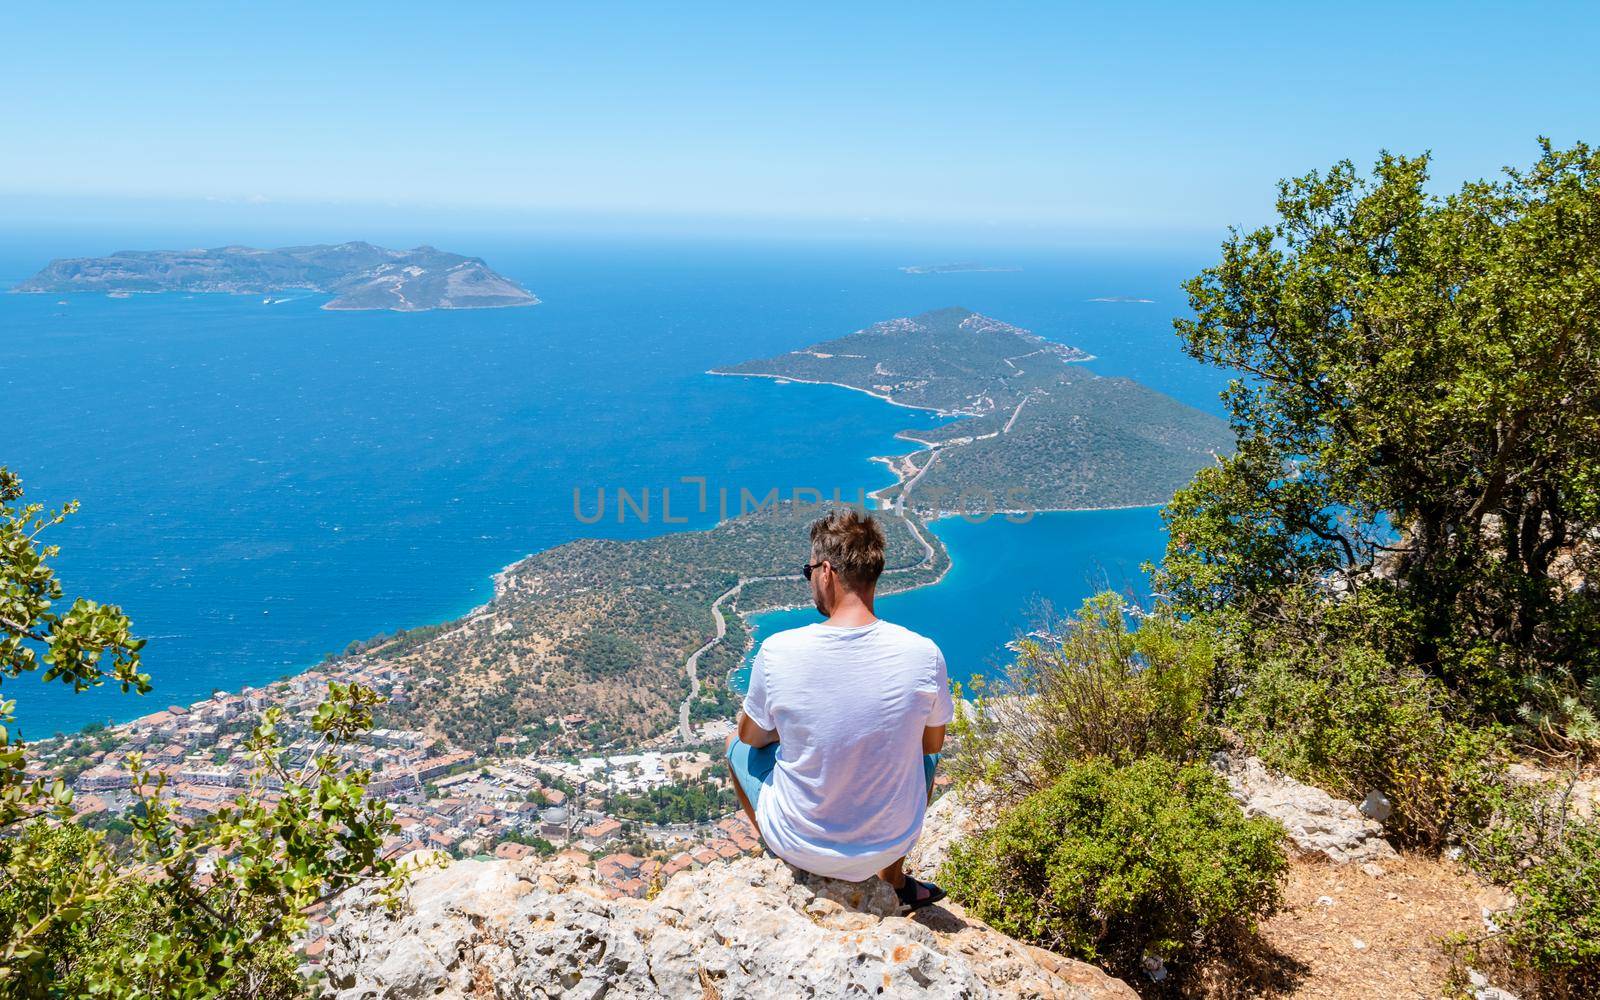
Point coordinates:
pixel 1040 432
pixel 1123 298
pixel 954 268
pixel 358 275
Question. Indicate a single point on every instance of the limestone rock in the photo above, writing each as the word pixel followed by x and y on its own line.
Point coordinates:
pixel 948 820
pixel 1376 806
pixel 1481 990
pixel 750 928
pixel 1317 822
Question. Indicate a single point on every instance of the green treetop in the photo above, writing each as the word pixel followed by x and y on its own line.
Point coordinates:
pixel 1418 413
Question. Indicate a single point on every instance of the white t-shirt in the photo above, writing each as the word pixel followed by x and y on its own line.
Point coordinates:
pixel 847 793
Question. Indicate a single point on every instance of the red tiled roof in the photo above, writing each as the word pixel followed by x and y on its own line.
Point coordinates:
pixel 87 804
pixel 633 887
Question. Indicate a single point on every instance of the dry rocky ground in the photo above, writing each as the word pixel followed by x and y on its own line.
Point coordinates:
pixel 1360 931
pixel 1358 918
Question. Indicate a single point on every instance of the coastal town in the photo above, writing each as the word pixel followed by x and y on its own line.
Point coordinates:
pixel 636 817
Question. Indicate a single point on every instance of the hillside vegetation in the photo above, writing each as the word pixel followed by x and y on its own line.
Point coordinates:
pixel 181 906
pixel 1386 590
pixel 601 629
pixel 1037 431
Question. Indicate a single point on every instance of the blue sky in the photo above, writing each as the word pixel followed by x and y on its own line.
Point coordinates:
pixel 1041 118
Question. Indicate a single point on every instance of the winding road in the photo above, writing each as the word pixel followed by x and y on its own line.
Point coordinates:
pixel 692 664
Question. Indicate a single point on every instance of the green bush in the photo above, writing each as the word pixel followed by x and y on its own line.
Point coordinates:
pixel 102 951
pixel 1548 946
pixel 1345 719
pixel 1116 863
pixel 1553 933
pixel 1093 688
pixel 1557 714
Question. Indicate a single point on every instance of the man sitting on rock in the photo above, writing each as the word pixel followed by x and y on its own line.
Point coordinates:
pixel 843 724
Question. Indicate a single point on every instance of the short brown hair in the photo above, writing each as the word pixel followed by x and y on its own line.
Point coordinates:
pixel 852 543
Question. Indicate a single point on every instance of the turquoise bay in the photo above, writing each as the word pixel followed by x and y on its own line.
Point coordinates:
pixel 262 484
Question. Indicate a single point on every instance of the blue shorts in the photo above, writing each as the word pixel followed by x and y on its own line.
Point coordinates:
pixel 752 767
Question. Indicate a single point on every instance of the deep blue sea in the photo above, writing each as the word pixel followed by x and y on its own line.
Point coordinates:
pixel 263 483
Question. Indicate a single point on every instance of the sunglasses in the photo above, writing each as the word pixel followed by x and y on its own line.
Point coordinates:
pixel 805 570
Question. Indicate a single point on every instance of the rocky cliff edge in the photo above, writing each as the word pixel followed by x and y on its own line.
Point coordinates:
pixel 749 928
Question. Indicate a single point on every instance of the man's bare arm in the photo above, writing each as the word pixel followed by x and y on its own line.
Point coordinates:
pixel 755 736
pixel 932 739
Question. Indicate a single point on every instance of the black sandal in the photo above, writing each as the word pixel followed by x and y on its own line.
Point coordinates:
pixel 908 894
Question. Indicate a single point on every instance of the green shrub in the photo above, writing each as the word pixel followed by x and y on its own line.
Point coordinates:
pixel 1553 933
pixel 1094 688
pixel 77 919
pixel 1559 715
pixel 1345 719
pixel 101 951
pixel 1116 863
pixel 1524 828
pixel 1548 946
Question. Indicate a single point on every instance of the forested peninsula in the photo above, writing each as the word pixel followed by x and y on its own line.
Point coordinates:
pixel 1039 432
